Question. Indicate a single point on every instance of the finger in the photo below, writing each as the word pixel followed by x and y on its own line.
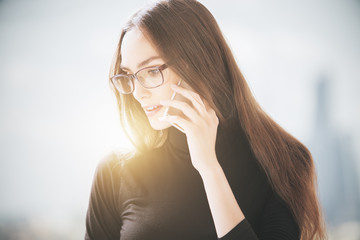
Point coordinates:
pixel 185 108
pixel 191 96
pixel 177 121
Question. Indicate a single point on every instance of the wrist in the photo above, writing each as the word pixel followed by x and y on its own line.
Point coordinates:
pixel 210 169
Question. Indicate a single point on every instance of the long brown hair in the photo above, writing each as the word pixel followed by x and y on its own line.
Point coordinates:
pixel 186 31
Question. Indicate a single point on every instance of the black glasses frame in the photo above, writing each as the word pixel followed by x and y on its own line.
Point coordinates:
pixel 134 76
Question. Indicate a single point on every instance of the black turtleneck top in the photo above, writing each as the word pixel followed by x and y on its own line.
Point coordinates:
pixel 160 195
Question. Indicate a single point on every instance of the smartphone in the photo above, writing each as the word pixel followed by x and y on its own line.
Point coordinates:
pixel 178 97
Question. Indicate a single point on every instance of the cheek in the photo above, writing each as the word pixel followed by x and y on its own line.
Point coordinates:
pixel 171 78
pixel 164 92
pixel 167 93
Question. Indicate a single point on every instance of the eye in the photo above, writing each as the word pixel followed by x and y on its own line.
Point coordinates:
pixel 153 72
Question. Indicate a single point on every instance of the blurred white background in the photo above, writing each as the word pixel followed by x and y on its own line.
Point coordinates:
pixel 58 116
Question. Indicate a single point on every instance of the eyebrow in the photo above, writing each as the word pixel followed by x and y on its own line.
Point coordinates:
pixel 143 63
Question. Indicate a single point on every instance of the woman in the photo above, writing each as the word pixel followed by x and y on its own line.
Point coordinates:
pixel 217 168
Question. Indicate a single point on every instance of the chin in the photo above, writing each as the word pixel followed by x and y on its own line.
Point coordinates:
pixel 159 125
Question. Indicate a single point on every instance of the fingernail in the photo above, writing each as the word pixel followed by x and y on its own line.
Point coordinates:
pixel 162 118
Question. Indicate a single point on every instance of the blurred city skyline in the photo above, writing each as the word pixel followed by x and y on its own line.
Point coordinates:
pixel 59 117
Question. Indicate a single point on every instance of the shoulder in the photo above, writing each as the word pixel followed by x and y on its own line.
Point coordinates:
pixel 113 163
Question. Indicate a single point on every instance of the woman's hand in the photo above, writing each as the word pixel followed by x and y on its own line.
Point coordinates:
pixel 200 127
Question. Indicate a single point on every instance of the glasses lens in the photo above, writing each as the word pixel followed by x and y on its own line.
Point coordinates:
pixel 123 84
pixel 150 77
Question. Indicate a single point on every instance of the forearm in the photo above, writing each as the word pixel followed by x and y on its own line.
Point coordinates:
pixel 224 208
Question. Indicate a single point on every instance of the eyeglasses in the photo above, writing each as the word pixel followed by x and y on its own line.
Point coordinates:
pixel 149 77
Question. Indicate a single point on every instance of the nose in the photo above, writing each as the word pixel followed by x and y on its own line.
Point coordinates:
pixel 140 92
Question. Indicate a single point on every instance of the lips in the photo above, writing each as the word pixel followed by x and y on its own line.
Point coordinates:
pixel 151 110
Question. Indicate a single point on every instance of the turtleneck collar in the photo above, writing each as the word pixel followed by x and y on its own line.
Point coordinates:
pixel 225 137
pixel 177 140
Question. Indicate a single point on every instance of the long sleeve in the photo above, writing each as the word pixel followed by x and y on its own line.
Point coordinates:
pixel 277 223
pixel 102 219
